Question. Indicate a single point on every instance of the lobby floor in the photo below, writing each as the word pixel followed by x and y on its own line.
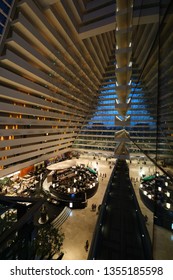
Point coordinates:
pixel 80 225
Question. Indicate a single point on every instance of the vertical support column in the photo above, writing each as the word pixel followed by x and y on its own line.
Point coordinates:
pixel 123 52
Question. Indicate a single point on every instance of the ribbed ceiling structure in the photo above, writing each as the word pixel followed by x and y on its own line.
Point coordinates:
pixel 74 73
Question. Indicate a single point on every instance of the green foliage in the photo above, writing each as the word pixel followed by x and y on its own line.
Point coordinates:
pixel 7 220
pixel 49 241
pixel 6 182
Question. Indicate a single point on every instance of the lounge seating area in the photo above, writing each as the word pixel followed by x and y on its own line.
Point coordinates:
pixel 156 192
pixel 19 185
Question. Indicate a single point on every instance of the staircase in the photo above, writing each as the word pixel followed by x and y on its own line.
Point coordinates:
pixel 58 221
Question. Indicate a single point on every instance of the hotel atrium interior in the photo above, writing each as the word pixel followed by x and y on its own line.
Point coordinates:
pixel 86 79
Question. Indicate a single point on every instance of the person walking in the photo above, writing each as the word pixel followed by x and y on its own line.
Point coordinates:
pixel 86 245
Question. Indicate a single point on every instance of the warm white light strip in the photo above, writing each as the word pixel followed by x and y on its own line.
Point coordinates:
pixel 10 175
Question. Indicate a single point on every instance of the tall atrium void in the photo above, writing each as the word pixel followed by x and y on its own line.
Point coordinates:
pixel 88 76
